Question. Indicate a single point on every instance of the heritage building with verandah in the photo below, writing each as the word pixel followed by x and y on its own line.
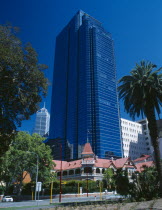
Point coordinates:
pixel 91 167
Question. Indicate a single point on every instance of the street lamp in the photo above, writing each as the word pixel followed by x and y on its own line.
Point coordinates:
pixel 60 170
pixel 87 179
pixel 36 174
pixel 60 173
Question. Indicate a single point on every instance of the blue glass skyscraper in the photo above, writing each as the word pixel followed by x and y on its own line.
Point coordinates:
pixel 84 100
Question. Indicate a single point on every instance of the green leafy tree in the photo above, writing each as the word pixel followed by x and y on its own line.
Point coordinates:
pixel 22 156
pixel 122 182
pixel 141 92
pixel 144 185
pixel 108 177
pixel 22 84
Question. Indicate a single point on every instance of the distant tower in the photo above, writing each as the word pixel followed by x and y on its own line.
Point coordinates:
pixel 42 122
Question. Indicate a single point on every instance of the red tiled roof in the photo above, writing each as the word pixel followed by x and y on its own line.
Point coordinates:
pixel 58 164
pixel 26 177
pixel 140 166
pixel 103 163
pixel 119 163
pixel 143 157
pixel 73 164
pixel 87 149
pixel 67 165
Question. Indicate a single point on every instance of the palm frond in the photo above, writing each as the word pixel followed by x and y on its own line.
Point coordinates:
pixel 141 87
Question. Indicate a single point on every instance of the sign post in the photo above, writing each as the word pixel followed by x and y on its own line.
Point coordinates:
pixel 81 190
pixel 39 188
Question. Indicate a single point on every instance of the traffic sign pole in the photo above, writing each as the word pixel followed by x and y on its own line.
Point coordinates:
pixel 60 173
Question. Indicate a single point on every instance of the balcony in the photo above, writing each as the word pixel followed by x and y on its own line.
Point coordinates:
pixel 88 162
pixel 92 174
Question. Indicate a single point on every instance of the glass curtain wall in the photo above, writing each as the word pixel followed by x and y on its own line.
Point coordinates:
pixel 84 101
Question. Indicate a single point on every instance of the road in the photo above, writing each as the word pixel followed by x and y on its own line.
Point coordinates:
pixel 46 202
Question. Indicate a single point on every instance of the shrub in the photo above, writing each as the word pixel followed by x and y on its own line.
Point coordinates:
pixel 145 185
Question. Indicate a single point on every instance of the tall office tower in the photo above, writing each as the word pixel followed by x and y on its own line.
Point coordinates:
pixel 42 122
pixel 84 104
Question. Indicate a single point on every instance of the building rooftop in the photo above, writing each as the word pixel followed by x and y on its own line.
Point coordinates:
pixel 87 149
pixel 96 162
pixel 142 158
pixel 103 163
pixel 119 163
pixel 140 166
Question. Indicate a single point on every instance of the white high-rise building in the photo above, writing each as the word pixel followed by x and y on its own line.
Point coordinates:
pixel 42 122
pixel 133 139
pixel 149 146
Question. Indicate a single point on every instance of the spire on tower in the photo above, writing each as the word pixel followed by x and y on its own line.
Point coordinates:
pixel 87 136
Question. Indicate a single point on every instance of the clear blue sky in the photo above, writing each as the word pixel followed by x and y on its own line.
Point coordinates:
pixel 136 27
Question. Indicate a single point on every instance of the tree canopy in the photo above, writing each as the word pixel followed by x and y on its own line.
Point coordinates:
pixel 22 156
pixel 141 90
pixel 22 83
pixel 122 182
pixel 108 177
pixel 144 185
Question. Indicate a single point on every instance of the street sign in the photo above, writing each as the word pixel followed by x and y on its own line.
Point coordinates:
pixel 39 186
pixel 81 190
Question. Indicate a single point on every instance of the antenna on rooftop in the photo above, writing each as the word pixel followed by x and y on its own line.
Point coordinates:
pixel 87 136
pixel 87 139
pixel 44 105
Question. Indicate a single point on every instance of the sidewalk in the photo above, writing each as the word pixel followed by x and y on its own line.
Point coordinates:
pixel 147 205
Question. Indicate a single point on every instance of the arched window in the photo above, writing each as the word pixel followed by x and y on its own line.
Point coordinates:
pixel 88 170
pixel 71 172
pixel 64 173
pixel 103 170
pixel 77 171
pixel 98 171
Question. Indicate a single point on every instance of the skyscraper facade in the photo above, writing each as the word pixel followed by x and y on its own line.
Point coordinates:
pixel 133 139
pixel 84 104
pixel 42 122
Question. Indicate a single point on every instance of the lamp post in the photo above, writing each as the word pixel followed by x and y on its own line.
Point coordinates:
pixel 60 173
pixel 36 180
pixel 60 170
pixel 36 174
pixel 87 181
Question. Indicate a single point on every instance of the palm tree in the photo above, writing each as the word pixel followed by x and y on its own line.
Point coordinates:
pixel 141 92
